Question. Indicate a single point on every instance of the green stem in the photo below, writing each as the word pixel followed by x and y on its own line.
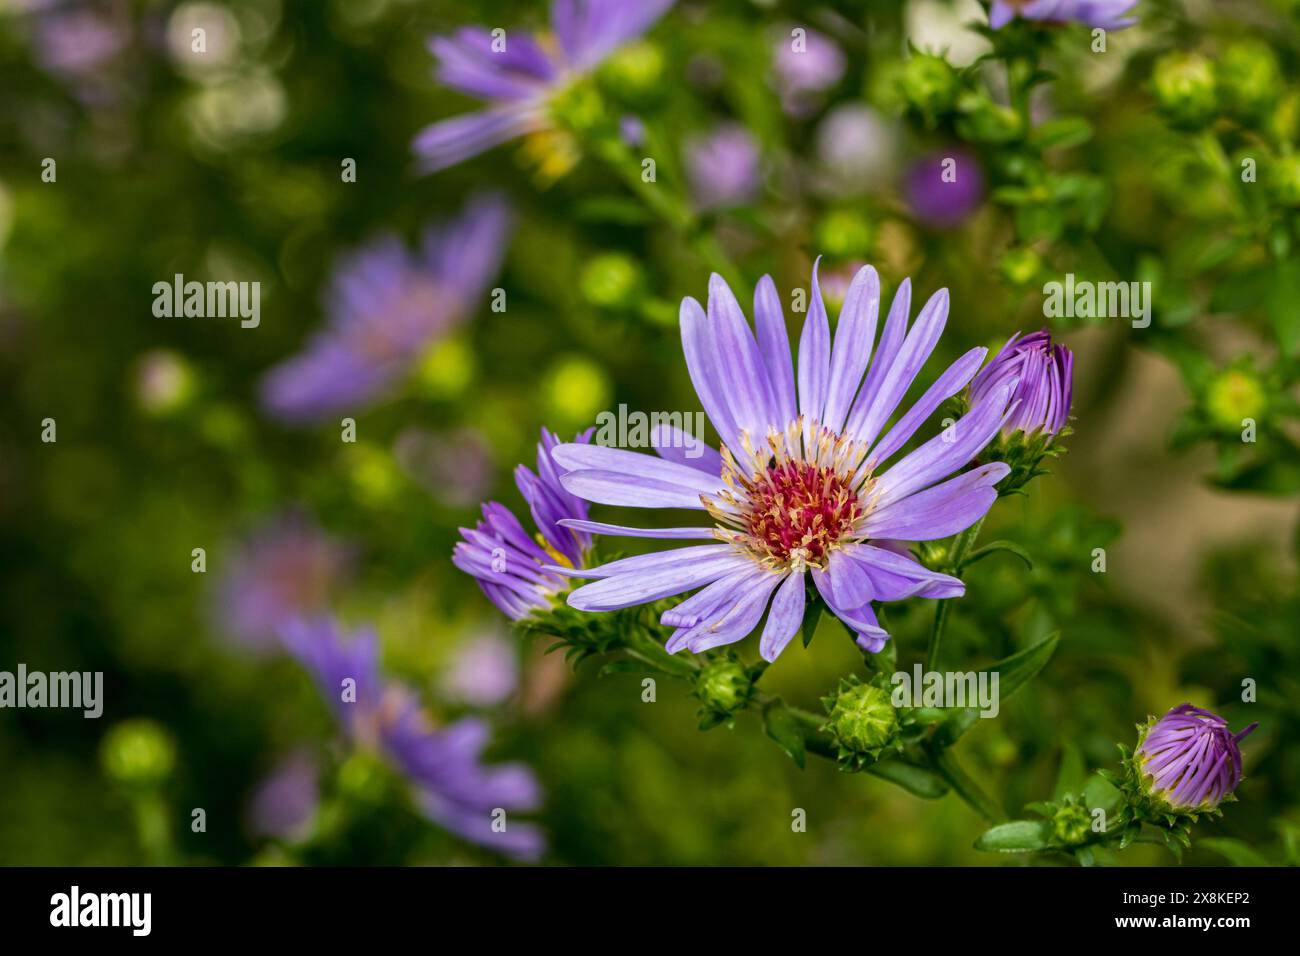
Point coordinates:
pixel 945 762
pixel 960 549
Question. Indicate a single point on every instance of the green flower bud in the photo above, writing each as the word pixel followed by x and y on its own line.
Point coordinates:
pixel 1020 266
pixel 1184 89
pixel 1283 178
pixel 844 233
pixel 724 685
pixel 611 280
pixel 1249 79
pixel 1071 824
pixel 635 73
pixel 863 721
pixel 984 121
pixel 929 84
pixel 138 753
pixel 1234 395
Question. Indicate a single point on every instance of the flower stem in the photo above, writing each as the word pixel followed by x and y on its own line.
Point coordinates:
pixel 945 762
pixel 960 549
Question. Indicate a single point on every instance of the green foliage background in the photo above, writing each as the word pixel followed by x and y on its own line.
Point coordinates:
pixel 171 175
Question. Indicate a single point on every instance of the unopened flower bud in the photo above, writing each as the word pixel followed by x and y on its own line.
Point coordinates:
pixel 1249 80
pixel 929 84
pixel 724 686
pixel 863 721
pixel 1184 89
pixel 139 753
pixel 1189 759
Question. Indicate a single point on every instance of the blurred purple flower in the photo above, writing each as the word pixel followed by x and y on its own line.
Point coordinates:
pixel 804 484
pixel 1191 759
pixel 484 672
pixel 520 77
pixel 286 568
pixel 385 307
pixel 805 66
pixel 74 42
pixel 286 799
pixel 454 467
pixel 723 167
pixel 449 783
pixel 631 129
pixel 1043 377
pixel 856 149
pixel 943 194
pixel 1106 14
pixel 507 563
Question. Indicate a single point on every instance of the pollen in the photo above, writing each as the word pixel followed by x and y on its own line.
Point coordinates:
pixel 797 499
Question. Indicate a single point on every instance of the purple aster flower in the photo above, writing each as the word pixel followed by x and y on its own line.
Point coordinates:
pixel 510 566
pixel 1106 14
pixel 484 672
pixel 386 306
pixel 944 194
pixel 1046 382
pixel 804 69
pixel 723 167
pixel 801 486
pixel 450 784
pixel 1191 759
pixel 286 568
pixel 287 798
pixel 523 74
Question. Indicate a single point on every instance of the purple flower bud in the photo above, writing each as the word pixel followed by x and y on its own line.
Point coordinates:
pixel 1190 758
pixel 1041 400
pixel 944 188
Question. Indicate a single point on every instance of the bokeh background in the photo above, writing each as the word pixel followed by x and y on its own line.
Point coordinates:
pixel 228 165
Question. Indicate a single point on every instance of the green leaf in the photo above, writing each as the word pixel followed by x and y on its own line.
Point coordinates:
pixel 1018 836
pixel 811 618
pixel 1013 673
pixel 783 727
pixel 1070 776
pixel 918 781
pixel 1062 132
pixel 1237 852
pixel 1284 305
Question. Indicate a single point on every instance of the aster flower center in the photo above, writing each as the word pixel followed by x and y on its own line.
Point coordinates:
pixel 800 498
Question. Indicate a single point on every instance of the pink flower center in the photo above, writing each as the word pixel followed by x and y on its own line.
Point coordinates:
pixel 798 511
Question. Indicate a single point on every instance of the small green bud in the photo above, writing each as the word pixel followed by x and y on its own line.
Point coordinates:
pixel 1071 824
pixel 986 121
pixel 1234 395
pixel 1020 265
pixel 863 721
pixel 138 753
pixel 635 73
pixel 611 280
pixel 724 686
pixel 580 107
pixel 844 233
pixel 1249 79
pixel 929 84
pixel 1184 89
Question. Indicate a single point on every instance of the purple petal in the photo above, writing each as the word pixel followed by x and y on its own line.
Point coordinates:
pixel 702 363
pixel 626 590
pixel 774 344
pixel 599 527
pixel 784 617
pixel 941 510
pixel 455 140
pixel 854 334
pixel 943 454
pixel 952 381
pixel 814 356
